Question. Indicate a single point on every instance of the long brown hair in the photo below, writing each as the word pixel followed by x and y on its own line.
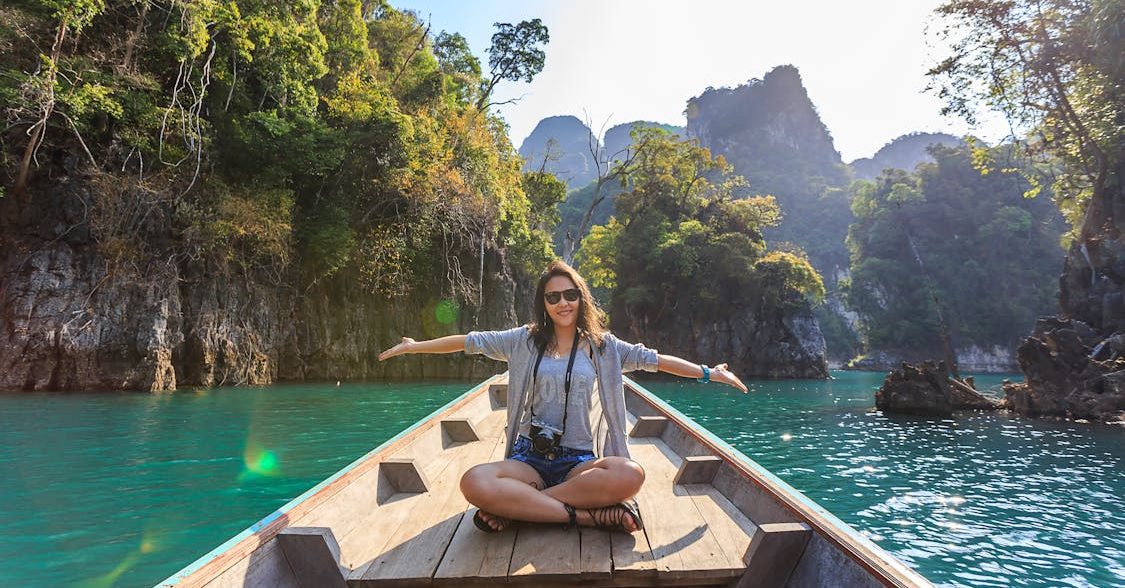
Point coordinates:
pixel 590 316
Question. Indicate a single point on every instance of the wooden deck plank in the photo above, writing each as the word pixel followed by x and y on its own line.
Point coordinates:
pixel 545 553
pixel 596 555
pixel 683 546
pixel 730 527
pixel 368 531
pixel 474 556
pixel 414 547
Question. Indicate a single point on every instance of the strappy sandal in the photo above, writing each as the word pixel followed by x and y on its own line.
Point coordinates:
pixel 484 526
pixel 570 512
pixel 612 518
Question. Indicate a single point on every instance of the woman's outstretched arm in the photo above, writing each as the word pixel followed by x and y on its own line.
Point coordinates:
pixel 449 344
pixel 671 364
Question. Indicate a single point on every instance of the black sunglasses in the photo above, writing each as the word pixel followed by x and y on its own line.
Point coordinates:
pixel 571 295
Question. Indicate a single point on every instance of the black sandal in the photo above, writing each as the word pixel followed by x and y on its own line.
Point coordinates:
pixel 573 516
pixel 612 518
pixel 483 524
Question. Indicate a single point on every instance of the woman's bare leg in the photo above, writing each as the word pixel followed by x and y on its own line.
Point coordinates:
pixel 512 489
pixel 599 483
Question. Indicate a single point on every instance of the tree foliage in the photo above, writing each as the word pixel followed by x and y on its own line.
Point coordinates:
pixel 516 54
pixel 1054 69
pixel 952 236
pixel 686 239
pixel 338 133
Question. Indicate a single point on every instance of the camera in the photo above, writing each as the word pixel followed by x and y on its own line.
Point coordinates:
pixel 544 438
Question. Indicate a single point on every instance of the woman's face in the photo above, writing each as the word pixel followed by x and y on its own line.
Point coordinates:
pixel 564 312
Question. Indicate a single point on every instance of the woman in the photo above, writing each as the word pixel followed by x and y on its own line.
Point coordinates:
pixel 552 474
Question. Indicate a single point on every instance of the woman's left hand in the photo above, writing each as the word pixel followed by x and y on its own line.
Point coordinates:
pixel 722 374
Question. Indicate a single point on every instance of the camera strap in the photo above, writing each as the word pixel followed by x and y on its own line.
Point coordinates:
pixel 566 382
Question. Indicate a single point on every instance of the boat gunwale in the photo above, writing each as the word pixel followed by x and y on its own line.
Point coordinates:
pixel 888 569
pixel 214 562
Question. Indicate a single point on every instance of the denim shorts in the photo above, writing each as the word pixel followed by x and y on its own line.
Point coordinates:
pixel 553 471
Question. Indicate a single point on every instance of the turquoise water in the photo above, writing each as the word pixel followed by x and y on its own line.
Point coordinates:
pixel 126 489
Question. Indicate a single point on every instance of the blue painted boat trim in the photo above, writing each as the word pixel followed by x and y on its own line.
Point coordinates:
pixel 846 529
pixel 191 568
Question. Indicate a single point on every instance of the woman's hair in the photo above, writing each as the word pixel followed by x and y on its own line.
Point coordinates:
pixel 590 316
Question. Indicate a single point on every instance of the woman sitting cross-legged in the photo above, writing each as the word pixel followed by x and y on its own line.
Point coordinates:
pixel 552 474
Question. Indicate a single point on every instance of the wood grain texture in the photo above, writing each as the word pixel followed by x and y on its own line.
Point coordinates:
pixel 475 556
pixel 697 469
pixel 404 474
pixel 649 426
pixel 774 551
pixel 416 547
pixel 313 555
pixel 459 430
pixel 683 546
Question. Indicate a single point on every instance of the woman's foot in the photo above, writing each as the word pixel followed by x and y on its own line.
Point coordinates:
pixel 493 523
pixel 623 516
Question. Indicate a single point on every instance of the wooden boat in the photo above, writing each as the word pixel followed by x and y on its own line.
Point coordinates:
pixel 396 517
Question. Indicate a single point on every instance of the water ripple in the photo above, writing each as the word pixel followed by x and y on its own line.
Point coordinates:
pixel 976 500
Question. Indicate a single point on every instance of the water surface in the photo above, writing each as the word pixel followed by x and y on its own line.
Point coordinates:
pixel 126 489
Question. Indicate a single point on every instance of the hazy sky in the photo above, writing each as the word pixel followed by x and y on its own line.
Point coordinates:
pixel 863 62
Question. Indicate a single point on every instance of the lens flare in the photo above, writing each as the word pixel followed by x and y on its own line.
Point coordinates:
pixel 149 544
pixel 446 312
pixel 260 461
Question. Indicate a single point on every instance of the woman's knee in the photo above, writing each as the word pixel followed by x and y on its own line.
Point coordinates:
pixel 629 476
pixel 475 481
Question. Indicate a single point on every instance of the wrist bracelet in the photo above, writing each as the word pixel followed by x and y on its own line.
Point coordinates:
pixel 706 374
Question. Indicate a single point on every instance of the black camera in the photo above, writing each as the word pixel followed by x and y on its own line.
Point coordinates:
pixel 544 439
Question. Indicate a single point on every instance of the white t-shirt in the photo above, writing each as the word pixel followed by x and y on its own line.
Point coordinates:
pixel 548 395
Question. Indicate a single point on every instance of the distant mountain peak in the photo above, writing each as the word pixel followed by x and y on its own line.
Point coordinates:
pixel 904 152
pixel 565 143
pixel 763 115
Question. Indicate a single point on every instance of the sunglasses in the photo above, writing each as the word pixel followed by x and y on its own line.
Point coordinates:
pixel 571 295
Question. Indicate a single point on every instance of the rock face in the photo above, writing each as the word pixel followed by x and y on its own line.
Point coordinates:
pixel 565 142
pixel 754 344
pixel 925 389
pixel 976 359
pixel 769 131
pixel 916 389
pixel 618 137
pixel 1073 361
pixel 70 320
pixel 748 122
pixel 1070 372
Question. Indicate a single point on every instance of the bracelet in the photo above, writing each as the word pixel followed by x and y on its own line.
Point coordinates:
pixel 706 375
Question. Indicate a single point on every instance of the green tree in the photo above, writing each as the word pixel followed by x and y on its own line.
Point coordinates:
pixel 686 216
pixel 313 140
pixel 949 241
pixel 1054 69
pixel 515 55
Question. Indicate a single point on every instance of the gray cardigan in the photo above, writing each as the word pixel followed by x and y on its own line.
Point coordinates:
pixel 610 361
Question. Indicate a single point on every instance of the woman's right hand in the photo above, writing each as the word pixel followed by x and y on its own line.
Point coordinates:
pixel 402 348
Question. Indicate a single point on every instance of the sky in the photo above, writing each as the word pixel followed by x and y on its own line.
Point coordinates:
pixel 609 62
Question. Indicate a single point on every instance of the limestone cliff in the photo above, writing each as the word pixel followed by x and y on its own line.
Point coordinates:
pixel 755 343
pixel 561 145
pixel 1074 361
pixel 72 320
pixel 997 359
